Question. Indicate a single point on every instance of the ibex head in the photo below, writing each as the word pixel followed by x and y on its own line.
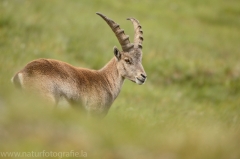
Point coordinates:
pixel 129 60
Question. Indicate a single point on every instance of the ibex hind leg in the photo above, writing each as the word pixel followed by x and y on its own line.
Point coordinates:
pixel 50 98
pixel 18 80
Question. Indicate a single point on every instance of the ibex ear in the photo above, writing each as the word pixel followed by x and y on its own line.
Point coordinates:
pixel 117 53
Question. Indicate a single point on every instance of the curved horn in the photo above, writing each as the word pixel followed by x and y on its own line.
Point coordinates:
pixel 122 38
pixel 138 37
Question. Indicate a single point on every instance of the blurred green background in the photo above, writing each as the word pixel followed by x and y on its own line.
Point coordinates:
pixel 188 108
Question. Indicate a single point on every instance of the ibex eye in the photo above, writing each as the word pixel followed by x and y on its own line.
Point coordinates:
pixel 128 61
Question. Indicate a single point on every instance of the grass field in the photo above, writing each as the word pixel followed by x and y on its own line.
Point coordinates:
pixel 189 107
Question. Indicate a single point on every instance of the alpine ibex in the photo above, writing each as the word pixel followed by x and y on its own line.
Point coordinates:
pixel 94 90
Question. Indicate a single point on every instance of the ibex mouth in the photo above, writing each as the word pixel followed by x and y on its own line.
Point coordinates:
pixel 140 81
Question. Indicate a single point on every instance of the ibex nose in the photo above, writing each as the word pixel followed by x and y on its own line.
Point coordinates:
pixel 144 76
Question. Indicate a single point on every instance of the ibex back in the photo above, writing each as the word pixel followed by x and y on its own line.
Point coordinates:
pixel 94 90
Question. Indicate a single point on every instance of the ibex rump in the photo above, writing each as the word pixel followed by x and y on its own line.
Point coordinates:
pixel 95 90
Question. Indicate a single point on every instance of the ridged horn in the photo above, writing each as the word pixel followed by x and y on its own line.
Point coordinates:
pixel 138 36
pixel 122 38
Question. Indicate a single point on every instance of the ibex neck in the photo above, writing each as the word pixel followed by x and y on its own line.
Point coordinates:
pixel 112 76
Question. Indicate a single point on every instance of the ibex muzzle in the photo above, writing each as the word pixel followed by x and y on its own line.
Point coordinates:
pixel 94 90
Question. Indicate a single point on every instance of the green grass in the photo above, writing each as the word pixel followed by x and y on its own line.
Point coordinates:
pixel 188 108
